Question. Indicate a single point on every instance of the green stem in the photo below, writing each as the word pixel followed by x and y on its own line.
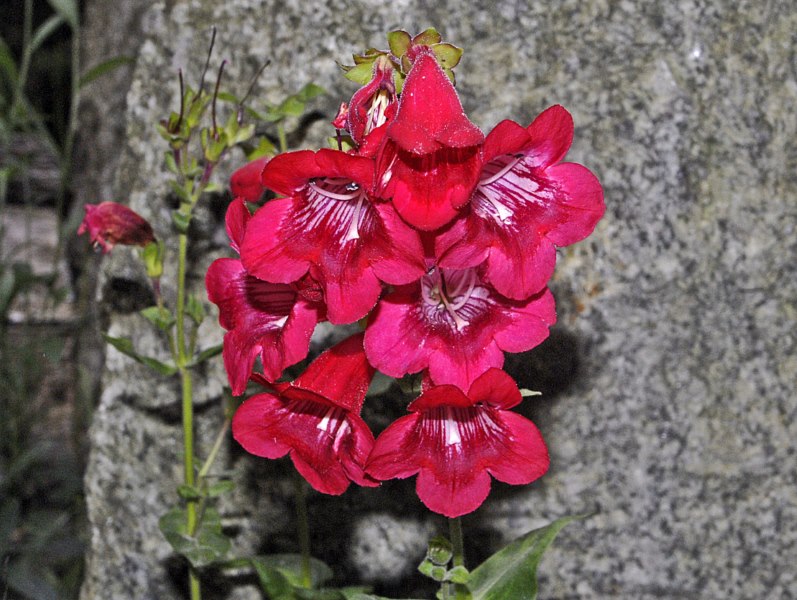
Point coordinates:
pixel 283 139
pixel 188 404
pixel 457 541
pixel 303 529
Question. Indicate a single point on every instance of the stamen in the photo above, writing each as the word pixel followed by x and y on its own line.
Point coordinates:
pixel 325 192
pixel 354 227
pixel 329 417
pixel 508 167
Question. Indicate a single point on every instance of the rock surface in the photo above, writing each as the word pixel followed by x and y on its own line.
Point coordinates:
pixel 669 403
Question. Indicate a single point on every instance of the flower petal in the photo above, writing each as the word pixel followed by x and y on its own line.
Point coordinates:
pixel 342 374
pixel 551 134
pixel 245 182
pixel 454 494
pixel 524 456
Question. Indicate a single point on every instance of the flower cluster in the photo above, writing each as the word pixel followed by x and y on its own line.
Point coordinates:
pixel 445 239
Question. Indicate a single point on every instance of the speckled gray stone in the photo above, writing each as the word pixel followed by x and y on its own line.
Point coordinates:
pixel 669 400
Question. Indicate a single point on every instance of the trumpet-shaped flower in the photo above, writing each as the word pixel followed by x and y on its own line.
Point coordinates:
pixel 454 324
pixel 429 162
pixel 110 223
pixel 455 441
pixel 330 226
pixel 270 320
pixel 525 203
pixel 315 419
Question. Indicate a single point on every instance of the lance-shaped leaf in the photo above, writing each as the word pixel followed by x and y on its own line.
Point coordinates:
pixel 512 571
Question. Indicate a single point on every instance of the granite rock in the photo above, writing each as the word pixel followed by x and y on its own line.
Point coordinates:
pixel 669 403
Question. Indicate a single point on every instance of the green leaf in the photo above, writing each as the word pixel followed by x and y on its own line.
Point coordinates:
pixel 206 354
pixel 310 91
pixel 103 68
pixel 290 565
pixel 264 148
pixel 7 289
pixel 305 594
pixel 7 64
pixel 195 309
pixel 206 546
pixel 181 220
pixel 159 316
pixel 526 393
pixel 66 9
pixel 512 571
pixel 362 596
pixel 152 255
pixel 189 492
pixel 125 346
pixel 220 487
pixel 274 583
pixel 44 31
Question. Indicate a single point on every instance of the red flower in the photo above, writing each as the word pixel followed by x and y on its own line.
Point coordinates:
pixel 109 223
pixel 526 203
pixel 330 227
pixel 429 163
pixel 373 105
pixel 454 442
pixel 245 182
pixel 315 419
pixel 455 325
pixel 272 320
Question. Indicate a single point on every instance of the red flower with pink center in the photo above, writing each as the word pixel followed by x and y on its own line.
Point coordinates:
pixel 455 441
pixel 270 320
pixel 454 324
pixel 330 226
pixel 316 420
pixel 110 223
pixel 429 163
pixel 525 203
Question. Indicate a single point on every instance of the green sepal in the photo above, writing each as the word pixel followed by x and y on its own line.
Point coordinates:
pixel 399 42
pixel 125 346
pixel 206 546
pixel 152 255
pixel 159 316
pixel 440 551
pixel 448 55
pixel 427 37
pixel 181 221
pixel 526 393
pixel 512 571
pixel 458 574
pixel 362 73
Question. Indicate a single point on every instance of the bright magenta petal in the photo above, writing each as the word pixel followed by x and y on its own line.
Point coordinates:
pixel 245 182
pixel 551 134
pixel 455 494
pixel 455 325
pixel 525 455
pixel 110 223
pixel 236 220
pixel 524 204
pixel 430 162
pixel 341 374
pixel 455 442
pixel 316 419
pixel 251 423
pixel 266 319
